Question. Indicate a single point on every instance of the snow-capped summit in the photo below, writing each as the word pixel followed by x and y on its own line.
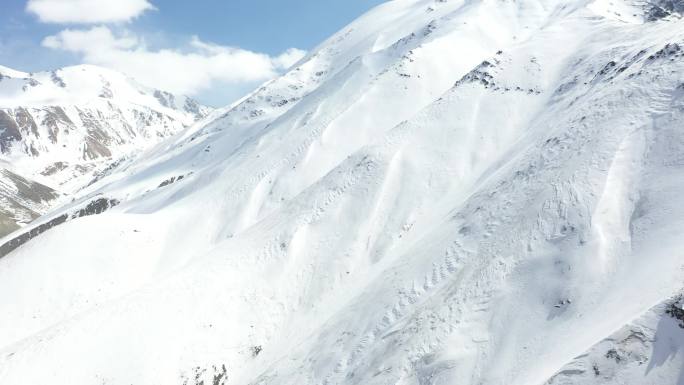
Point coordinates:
pixel 444 192
pixel 63 126
pixel 82 84
pixel 6 72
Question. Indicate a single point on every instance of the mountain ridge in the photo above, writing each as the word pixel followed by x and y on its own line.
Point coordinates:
pixel 462 192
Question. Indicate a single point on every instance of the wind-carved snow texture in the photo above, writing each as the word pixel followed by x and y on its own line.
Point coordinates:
pixel 443 192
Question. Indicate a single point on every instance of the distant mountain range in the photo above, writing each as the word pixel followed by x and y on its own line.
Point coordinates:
pixel 63 128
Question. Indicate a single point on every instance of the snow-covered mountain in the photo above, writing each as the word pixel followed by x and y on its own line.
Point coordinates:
pixel 444 192
pixel 64 126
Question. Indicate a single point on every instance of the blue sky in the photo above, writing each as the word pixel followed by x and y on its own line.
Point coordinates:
pixel 230 45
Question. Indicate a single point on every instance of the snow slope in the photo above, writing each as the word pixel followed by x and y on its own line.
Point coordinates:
pixel 444 192
pixel 644 351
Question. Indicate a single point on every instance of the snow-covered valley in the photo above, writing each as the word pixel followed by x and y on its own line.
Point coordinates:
pixel 443 192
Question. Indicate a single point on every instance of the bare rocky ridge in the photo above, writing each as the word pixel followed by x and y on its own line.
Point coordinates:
pixel 658 9
pixel 22 200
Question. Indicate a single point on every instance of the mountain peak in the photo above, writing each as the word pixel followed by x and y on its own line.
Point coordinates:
pixel 64 127
pixel 8 72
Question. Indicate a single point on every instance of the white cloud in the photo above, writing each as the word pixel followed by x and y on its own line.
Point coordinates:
pixel 288 58
pixel 198 67
pixel 87 11
pixel 94 39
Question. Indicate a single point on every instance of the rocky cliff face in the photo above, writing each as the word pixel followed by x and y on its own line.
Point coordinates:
pixel 22 200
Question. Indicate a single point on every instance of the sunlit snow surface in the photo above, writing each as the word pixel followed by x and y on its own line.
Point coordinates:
pixel 444 192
